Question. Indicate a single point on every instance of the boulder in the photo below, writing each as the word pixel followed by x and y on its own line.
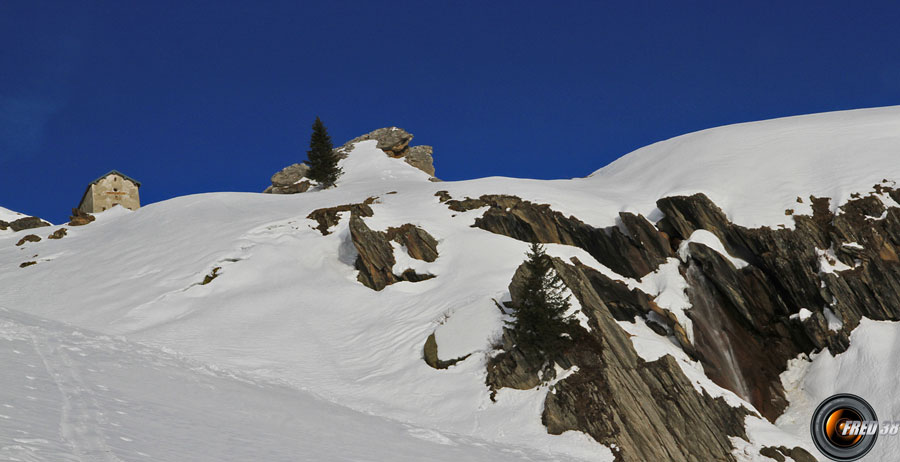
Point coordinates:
pixel 27 223
pixel 392 140
pixel 80 218
pixel 58 234
pixel 29 238
pixel 290 175
pixel 395 143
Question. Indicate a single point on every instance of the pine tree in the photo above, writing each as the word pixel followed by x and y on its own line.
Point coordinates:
pixel 540 313
pixel 322 161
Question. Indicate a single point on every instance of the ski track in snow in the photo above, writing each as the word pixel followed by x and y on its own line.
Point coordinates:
pixel 69 395
pixel 81 418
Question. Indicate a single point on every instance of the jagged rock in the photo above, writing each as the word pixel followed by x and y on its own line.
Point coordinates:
pixel 328 217
pixel 430 353
pixel 395 143
pixel 27 223
pixel 418 243
pixel 27 264
pixel 80 218
pixel 749 314
pixel 29 238
pixel 4 225
pixel 443 196
pixel 631 255
pixel 615 396
pixel 797 454
pixel 392 140
pixel 421 158
pixel 290 175
pixel 375 260
pixel 58 234
pixel 376 256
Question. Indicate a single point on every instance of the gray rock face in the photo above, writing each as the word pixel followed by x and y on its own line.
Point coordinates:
pixel 392 140
pixel 395 143
pixel 290 175
pixel 421 158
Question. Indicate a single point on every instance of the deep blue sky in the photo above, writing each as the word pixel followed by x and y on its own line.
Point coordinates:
pixel 197 96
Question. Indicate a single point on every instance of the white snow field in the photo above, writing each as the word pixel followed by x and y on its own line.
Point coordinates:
pixel 285 356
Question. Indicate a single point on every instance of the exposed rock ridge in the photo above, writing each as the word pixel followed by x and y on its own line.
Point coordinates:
pixel 23 224
pixel 633 255
pixel 375 260
pixel 647 410
pixel 836 267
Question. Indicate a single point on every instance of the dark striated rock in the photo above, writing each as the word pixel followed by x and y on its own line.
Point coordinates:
pixel 376 256
pixel 632 255
pixel 418 243
pixel 617 397
pixel 375 260
pixel 781 453
pixel 27 223
pixel 29 238
pixel 80 218
pixel 27 264
pixel 58 234
pixel 745 323
pixel 329 217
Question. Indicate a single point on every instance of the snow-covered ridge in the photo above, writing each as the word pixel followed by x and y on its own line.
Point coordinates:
pixel 9 215
pixel 755 171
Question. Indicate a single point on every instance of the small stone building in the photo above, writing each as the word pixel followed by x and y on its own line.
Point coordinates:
pixel 111 189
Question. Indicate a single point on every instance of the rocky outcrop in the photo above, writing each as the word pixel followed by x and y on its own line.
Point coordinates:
pixel 421 158
pixel 645 410
pixel 417 242
pixel 288 180
pixel 746 322
pixel 330 216
pixel 634 254
pixel 29 238
pixel 26 264
pixel 395 143
pixel 780 453
pixel 430 354
pixel 23 224
pixel 58 234
pixel 80 218
pixel 375 260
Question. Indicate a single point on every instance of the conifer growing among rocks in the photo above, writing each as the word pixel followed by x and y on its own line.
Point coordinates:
pixel 322 161
pixel 540 322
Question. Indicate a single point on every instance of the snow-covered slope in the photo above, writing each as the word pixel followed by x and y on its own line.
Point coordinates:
pixel 755 171
pixel 8 215
pixel 286 307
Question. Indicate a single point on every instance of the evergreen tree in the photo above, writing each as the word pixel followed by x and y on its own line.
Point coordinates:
pixel 540 314
pixel 322 161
